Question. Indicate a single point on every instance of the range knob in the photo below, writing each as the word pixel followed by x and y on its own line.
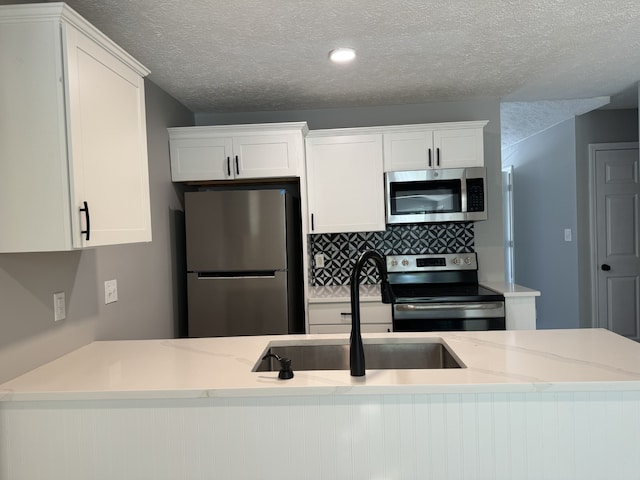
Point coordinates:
pixel 467 260
pixel 405 262
pixel 394 263
pixel 456 261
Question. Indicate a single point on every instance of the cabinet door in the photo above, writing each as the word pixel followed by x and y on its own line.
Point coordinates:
pixel 345 183
pixel 458 148
pixel 205 158
pixel 263 156
pixel 107 145
pixel 408 151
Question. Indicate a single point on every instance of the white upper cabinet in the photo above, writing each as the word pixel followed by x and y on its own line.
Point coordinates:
pixel 237 151
pixel 442 145
pixel 73 149
pixel 345 182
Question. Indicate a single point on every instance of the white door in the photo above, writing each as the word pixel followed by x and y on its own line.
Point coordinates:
pixel 617 232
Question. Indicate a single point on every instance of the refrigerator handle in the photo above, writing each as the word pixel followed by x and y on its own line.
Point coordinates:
pixel 243 275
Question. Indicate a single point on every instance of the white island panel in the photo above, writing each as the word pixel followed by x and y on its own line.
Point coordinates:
pixel 582 435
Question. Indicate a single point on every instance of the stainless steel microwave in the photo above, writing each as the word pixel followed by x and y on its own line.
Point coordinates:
pixel 438 195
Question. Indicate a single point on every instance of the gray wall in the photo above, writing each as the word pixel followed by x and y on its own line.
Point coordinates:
pixel 544 182
pixel 149 296
pixel 551 193
pixel 488 234
pixel 600 126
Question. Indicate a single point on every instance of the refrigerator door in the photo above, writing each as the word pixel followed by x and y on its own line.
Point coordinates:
pixel 239 230
pixel 235 305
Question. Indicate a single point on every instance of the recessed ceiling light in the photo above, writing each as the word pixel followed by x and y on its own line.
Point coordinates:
pixel 342 55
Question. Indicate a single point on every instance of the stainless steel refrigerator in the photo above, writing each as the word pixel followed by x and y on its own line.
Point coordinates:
pixel 244 262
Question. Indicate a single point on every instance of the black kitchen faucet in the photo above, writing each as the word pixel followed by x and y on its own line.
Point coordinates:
pixel 356 349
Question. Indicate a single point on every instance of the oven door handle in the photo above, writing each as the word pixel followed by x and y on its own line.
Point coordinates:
pixel 449 306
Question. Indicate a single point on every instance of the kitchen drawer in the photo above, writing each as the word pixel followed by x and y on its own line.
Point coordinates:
pixel 346 328
pixel 340 313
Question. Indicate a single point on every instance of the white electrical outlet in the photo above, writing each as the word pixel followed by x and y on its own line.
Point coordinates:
pixel 59 307
pixel 319 260
pixel 110 291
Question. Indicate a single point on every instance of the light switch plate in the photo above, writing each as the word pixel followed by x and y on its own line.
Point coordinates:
pixel 110 291
pixel 59 307
pixel 319 260
pixel 567 234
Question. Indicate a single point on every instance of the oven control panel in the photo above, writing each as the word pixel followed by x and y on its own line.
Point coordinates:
pixel 430 262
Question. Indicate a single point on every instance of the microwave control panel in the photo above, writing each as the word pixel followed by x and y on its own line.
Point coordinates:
pixel 475 195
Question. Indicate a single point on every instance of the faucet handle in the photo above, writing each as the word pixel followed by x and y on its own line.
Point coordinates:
pixel 386 292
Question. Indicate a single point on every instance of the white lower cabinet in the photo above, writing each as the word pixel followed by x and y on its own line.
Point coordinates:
pixel 235 152
pixel 345 182
pixel 73 142
pixel 375 317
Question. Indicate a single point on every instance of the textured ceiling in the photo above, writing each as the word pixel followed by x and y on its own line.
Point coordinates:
pixel 253 55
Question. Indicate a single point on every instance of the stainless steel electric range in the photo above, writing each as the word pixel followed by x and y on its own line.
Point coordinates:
pixel 440 292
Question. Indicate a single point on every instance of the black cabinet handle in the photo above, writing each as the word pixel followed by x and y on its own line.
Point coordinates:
pixel 438 157
pixel 429 157
pixel 228 166
pixel 313 224
pixel 237 166
pixel 87 218
pixel 605 268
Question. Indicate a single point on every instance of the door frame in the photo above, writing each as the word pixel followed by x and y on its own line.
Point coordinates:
pixel 593 234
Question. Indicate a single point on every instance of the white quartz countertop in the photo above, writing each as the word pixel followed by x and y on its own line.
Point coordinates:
pixel 511 289
pixel 371 293
pixel 495 361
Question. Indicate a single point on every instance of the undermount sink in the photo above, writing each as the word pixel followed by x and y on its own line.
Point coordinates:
pixel 388 355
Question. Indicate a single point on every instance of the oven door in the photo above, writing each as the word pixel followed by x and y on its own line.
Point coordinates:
pixel 448 316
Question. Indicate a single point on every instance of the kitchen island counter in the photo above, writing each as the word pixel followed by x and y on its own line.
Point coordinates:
pixel 546 404
pixel 493 362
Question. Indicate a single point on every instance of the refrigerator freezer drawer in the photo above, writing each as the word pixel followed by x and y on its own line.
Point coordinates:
pixel 231 306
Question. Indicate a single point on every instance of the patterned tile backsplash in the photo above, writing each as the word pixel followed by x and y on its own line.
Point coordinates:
pixel 341 250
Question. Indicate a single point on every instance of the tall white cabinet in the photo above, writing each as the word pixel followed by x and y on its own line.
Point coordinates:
pixel 73 150
pixel 345 181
